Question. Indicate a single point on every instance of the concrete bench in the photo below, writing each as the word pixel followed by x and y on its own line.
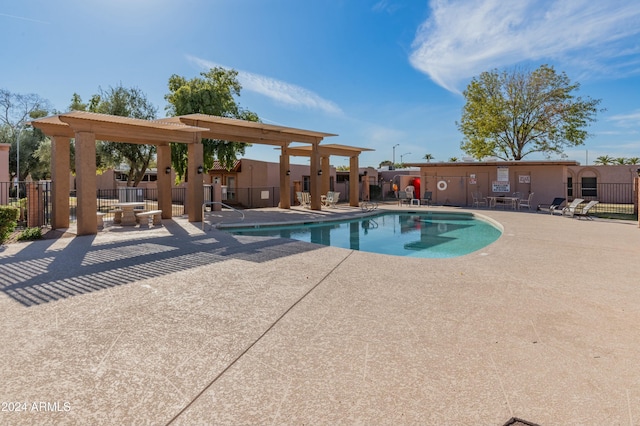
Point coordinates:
pixel 100 216
pixel 117 215
pixel 155 214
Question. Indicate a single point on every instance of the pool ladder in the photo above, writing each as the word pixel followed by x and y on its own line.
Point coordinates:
pixel 211 203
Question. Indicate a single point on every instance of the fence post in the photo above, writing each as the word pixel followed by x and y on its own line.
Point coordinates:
pixel 34 216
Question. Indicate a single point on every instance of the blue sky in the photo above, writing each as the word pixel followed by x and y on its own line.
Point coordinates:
pixel 377 73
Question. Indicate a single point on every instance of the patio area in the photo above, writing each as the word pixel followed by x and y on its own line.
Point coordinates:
pixel 176 325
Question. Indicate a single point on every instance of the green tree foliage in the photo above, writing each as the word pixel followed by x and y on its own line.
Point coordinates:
pixel 15 111
pixel 214 93
pixel 428 157
pixel 124 102
pixel 511 114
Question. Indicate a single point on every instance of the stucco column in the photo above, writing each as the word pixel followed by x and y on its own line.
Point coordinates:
pixel 285 180
pixel 354 194
pixel 87 220
pixel 60 171
pixel 326 175
pixel 164 180
pixel 195 188
pixel 315 179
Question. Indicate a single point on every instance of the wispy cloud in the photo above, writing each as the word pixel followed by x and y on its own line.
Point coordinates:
pixel 463 38
pixel 22 18
pixel 626 120
pixel 279 91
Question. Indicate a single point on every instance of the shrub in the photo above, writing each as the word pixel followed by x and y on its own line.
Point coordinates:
pixel 30 234
pixel 8 221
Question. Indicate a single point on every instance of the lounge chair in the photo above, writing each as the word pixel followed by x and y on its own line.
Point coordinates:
pixel 526 202
pixel 584 212
pixel 554 206
pixel 331 199
pixel 571 208
pixel 304 198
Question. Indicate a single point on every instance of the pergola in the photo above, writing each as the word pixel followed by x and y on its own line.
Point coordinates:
pixel 86 128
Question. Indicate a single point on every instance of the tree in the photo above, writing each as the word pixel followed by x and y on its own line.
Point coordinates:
pixel 213 94
pixel 633 160
pixel 15 111
pixel 453 159
pixel 428 157
pixel 512 114
pixel 385 163
pixel 124 102
pixel 620 161
pixel 604 160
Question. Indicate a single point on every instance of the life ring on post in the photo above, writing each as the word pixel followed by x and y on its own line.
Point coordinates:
pixel 442 185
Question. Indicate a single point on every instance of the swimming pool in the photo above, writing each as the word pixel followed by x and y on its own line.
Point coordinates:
pixel 410 234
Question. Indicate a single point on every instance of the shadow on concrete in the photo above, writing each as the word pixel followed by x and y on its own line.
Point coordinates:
pixel 40 273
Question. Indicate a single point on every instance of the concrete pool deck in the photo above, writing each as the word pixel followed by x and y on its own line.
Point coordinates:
pixel 176 325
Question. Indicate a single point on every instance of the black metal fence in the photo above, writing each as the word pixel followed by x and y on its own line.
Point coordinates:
pixel 107 198
pixel 33 199
pixel 614 198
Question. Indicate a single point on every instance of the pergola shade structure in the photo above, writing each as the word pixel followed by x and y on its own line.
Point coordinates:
pixel 86 128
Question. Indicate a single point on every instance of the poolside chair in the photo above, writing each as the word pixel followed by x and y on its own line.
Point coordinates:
pixel 584 212
pixel 332 199
pixel 326 199
pixel 403 198
pixel 554 206
pixel 304 198
pixel 428 195
pixel 526 202
pixel 478 200
pixel 571 208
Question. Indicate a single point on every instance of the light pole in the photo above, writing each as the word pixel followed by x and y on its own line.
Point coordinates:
pixel 394 153
pixel 402 155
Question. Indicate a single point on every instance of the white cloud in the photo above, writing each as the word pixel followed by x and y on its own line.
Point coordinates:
pixel 626 120
pixel 279 91
pixel 463 38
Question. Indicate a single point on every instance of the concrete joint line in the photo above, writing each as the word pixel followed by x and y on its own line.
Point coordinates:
pixel 255 342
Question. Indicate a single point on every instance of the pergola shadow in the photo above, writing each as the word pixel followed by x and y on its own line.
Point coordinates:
pixel 36 275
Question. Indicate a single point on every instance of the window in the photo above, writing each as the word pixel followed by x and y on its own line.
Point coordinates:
pixel 589 187
pixel 231 188
pixel 306 184
pixel 570 187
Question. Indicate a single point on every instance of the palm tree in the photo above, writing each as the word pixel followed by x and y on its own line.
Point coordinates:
pixel 604 160
pixel 633 160
pixel 621 160
pixel 428 157
pixel 453 159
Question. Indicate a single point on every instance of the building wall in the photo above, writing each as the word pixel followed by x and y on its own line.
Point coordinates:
pixel 4 162
pixel 454 183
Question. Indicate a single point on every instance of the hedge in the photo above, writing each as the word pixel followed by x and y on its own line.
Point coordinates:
pixel 8 221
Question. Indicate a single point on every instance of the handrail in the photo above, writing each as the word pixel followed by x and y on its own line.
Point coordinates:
pixel 209 203
pixel 368 206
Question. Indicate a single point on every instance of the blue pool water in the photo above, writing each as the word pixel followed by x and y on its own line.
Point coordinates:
pixel 413 234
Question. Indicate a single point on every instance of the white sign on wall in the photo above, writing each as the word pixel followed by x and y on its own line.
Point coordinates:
pixel 503 174
pixel 498 186
pixel 524 179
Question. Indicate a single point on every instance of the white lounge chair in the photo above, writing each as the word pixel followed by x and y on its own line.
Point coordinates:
pixel 571 208
pixel 584 212
pixel 304 198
